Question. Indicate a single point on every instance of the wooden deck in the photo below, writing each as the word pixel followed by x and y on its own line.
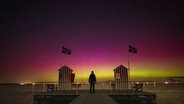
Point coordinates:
pixel 53 99
pixel 135 98
pixel 100 96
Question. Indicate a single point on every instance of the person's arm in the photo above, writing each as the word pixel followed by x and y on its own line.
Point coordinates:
pixel 89 79
pixel 95 79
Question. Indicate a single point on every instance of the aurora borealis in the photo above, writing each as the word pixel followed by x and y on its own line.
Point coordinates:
pixel 98 34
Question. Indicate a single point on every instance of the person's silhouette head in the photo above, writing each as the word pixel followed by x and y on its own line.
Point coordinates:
pixel 92 72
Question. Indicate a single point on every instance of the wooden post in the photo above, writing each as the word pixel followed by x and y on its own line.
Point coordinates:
pixel 77 89
pixel 155 87
pixel 43 87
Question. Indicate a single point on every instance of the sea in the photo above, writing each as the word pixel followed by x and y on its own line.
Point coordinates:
pixel 166 92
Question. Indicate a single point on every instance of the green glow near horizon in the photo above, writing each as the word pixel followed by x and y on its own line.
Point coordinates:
pixel 105 74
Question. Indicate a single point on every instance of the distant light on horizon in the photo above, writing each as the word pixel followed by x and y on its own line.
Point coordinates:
pixel 21 84
pixel 166 82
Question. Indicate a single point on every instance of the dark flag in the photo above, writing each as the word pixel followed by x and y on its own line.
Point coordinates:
pixel 132 49
pixel 66 51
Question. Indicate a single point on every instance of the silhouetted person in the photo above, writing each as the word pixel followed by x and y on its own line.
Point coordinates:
pixel 92 81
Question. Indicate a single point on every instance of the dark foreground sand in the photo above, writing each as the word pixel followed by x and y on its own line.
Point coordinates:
pixel 17 94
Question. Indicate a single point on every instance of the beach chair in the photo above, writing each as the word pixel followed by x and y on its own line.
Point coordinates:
pixel 138 87
pixel 51 88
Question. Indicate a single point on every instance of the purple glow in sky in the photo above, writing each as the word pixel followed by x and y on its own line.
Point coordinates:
pixel 97 32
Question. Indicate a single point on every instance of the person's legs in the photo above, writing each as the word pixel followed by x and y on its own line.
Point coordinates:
pixel 93 88
pixel 90 87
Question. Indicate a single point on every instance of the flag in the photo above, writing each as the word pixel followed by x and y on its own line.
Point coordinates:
pixel 66 51
pixel 132 49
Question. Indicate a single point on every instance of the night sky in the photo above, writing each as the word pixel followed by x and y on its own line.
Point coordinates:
pixel 97 33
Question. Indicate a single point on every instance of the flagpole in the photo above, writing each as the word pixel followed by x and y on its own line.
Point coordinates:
pixel 61 54
pixel 59 82
pixel 128 66
pixel 131 50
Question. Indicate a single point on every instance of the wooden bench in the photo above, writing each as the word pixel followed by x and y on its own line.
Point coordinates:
pixel 51 88
pixel 138 87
